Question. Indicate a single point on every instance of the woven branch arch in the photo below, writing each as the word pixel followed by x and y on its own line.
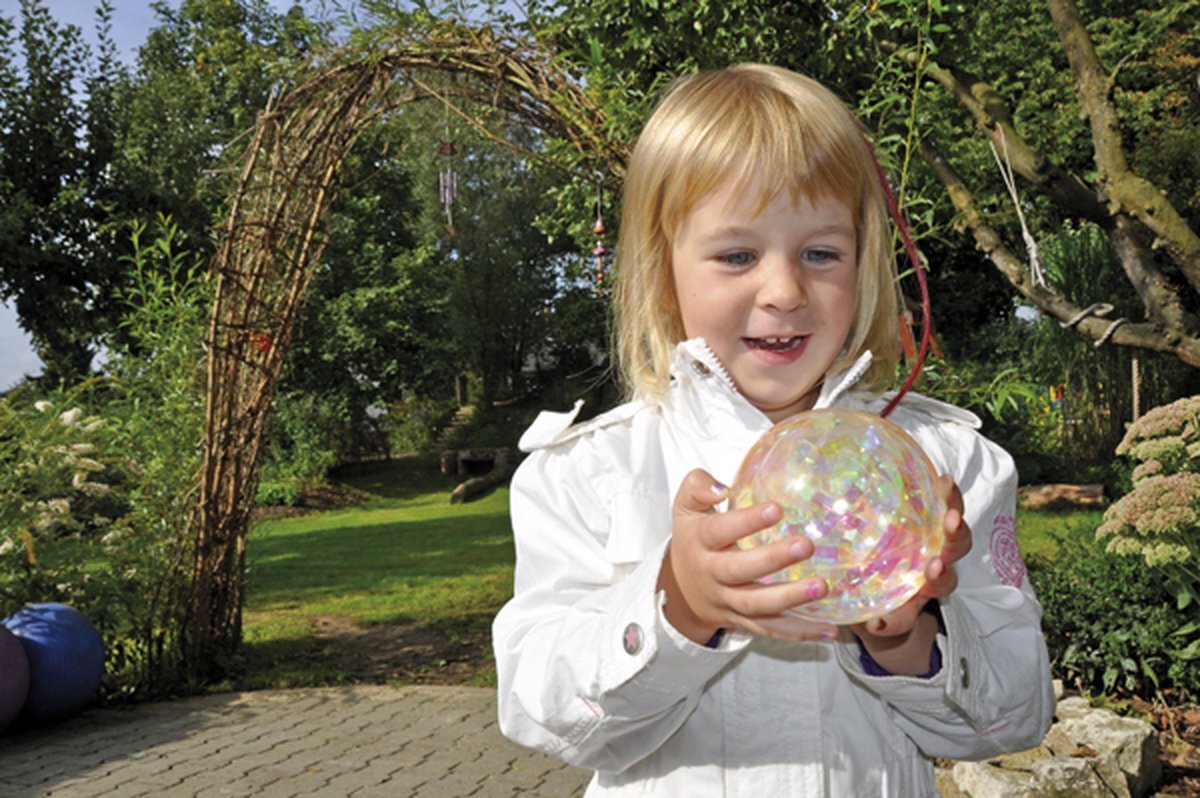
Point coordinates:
pixel 271 243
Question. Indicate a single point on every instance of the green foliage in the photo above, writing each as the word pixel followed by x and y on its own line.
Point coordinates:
pixel 1159 518
pixel 77 168
pixel 307 433
pixel 1056 401
pixel 99 480
pixel 413 422
pixel 59 265
pixel 1110 624
pixel 203 75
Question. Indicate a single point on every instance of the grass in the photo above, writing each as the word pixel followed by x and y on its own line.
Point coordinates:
pixel 1038 529
pixel 407 560
pixel 409 583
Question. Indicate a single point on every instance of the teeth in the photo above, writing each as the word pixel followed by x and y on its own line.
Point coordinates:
pixel 777 344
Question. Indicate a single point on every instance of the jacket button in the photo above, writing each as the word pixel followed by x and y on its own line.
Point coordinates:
pixel 700 368
pixel 966 676
pixel 632 639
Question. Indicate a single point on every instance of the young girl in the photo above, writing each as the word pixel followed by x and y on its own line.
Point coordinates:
pixel 755 275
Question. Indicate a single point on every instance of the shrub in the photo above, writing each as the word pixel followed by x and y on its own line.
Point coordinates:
pixel 305 435
pixel 97 483
pixel 413 422
pixel 1159 518
pixel 1110 623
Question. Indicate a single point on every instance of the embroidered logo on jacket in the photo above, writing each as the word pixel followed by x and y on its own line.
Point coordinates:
pixel 1006 557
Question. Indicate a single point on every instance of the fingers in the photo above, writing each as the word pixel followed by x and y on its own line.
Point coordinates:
pixel 721 583
pixel 700 493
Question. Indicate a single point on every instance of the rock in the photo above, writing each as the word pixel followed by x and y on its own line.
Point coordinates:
pixel 1134 743
pixel 1058 742
pixel 1073 707
pixel 1078 777
pixel 1023 760
pixel 947 787
pixel 1088 752
pixel 985 780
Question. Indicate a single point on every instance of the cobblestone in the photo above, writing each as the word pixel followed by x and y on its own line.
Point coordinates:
pixel 363 741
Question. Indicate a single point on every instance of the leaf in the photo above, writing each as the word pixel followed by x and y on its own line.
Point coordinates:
pixel 1187 629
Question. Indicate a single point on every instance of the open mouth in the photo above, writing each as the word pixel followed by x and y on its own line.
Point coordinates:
pixel 775 344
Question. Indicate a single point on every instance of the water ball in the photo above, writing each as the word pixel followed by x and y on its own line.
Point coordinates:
pixel 14 677
pixel 66 659
pixel 863 491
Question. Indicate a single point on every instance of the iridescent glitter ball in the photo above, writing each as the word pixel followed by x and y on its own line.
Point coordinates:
pixel 862 490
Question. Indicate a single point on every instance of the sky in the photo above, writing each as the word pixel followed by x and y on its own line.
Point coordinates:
pixel 131 21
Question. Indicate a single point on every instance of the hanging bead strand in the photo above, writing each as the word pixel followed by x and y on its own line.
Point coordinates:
pixel 448 181
pixel 598 230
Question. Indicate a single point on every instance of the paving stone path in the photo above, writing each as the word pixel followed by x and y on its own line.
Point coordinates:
pixel 440 742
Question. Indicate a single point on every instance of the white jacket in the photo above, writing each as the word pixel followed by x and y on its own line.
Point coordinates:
pixel 590 671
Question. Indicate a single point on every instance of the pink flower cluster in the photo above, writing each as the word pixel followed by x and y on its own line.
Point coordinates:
pixel 1160 509
pixel 1180 418
pixel 1160 518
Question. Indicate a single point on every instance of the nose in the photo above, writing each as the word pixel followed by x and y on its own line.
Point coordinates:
pixel 782 286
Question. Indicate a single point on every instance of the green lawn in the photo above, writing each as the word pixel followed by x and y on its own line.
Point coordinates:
pixel 1037 529
pixel 408 584
pixel 407 560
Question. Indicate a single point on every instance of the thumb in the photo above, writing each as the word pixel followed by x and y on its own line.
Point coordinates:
pixel 699 493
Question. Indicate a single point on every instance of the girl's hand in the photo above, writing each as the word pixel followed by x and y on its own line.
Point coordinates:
pixel 900 641
pixel 712 584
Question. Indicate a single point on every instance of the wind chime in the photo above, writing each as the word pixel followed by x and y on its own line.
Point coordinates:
pixel 598 229
pixel 448 180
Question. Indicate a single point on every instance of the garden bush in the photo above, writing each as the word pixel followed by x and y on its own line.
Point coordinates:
pixel 302 443
pixel 412 423
pixel 1159 518
pixel 1110 623
pixel 97 482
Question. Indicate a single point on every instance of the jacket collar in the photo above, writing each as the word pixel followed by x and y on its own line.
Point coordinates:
pixel 695 359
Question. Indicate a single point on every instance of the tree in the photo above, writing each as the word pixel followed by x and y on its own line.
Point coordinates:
pixel 933 79
pixel 1027 100
pixel 507 271
pixel 376 326
pixel 59 266
pixel 88 149
pixel 202 76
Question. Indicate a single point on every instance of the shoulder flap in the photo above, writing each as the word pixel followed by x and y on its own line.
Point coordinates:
pixel 938 410
pixel 551 429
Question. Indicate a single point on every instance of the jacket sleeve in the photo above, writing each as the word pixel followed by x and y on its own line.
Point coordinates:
pixel 993 693
pixel 588 668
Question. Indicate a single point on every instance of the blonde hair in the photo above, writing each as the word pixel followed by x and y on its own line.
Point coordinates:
pixel 740 124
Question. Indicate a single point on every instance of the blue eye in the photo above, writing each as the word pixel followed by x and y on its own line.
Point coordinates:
pixel 738 258
pixel 821 256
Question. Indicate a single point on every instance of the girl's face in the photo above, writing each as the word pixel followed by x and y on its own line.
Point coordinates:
pixel 773 293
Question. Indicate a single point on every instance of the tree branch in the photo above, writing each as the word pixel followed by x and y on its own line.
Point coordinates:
pixel 991 113
pixel 1126 190
pixel 993 117
pixel 1177 339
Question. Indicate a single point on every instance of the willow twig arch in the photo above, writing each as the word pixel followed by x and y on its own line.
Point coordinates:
pixel 271 242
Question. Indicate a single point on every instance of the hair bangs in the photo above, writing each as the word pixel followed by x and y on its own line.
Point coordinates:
pixel 749 134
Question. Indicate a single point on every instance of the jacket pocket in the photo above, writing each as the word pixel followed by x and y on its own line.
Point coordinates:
pixel 638 523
